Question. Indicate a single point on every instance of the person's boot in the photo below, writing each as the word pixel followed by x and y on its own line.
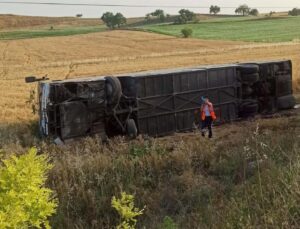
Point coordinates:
pixel 202 133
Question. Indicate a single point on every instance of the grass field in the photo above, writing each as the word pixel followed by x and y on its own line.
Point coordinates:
pixel 277 29
pixel 249 29
pixel 47 32
pixel 246 177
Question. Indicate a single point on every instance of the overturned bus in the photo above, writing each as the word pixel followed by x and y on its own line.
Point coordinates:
pixel 158 103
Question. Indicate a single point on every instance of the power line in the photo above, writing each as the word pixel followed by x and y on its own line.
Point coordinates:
pixel 132 6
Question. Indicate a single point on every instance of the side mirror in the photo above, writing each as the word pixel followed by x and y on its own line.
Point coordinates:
pixel 32 79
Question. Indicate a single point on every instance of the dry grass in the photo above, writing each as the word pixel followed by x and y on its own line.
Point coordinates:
pixel 14 22
pixel 115 52
pixel 199 183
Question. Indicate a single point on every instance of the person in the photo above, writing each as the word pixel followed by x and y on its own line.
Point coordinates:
pixel 207 116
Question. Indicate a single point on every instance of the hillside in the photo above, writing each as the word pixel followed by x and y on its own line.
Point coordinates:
pixel 16 22
pixel 276 28
pixel 13 22
pixel 253 29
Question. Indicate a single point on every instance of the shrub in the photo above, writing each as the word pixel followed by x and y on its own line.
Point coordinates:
pixel 24 200
pixel 127 211
pixel 169 223
pixel 187 32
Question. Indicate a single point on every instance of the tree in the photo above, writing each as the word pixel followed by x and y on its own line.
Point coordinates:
pixel 214 9
pixel 294 12
pixel 108 19
pixel 160 14
pixel 119 20
pixel 25 202
pixel 79 15
pixel 185 16
pixel 112 20
pixel 148 17
pixel 253 12
pixel 243 9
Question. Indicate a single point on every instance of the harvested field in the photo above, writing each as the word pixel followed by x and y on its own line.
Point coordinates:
pixel 115 52
pixel 13 22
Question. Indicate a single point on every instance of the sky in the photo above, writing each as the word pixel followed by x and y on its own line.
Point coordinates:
pixel 227 7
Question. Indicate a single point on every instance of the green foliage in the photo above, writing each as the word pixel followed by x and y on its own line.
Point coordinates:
pixel 169 223
pixel 160 14
pixel 24 200
pixel 125 207
pixel 139 151
pixel 238 29
pixel 185 16
pixel 294 12
pixel 214 9
pixel 145 148
pixel 187 32
pixel 113 20
pixel 120 20
pixel 243 9
pixel 253 12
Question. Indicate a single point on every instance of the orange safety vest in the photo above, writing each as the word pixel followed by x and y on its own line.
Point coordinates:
pixel 211 111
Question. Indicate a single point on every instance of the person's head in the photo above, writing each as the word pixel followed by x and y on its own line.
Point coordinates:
pixel 205 99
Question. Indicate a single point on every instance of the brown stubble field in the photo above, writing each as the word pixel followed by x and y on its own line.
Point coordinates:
pixel 115 52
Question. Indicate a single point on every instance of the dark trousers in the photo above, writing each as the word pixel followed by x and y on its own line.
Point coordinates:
pixel 206 123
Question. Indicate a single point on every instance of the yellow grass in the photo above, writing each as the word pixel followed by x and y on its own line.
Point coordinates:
pixel 13 22
pixel 115 52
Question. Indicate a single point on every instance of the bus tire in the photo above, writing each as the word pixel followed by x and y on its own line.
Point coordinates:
pixel 113 91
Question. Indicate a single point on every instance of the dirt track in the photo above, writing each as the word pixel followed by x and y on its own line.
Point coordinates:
pixel 115 52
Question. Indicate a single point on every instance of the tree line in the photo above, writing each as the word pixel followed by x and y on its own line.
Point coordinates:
pixel 184 16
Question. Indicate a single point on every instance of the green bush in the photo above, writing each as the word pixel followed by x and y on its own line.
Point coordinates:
pixel 24 200
pixel 169 223
pixel 187 32
pixel 125 207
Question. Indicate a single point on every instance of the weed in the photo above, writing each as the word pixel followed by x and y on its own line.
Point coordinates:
pixel 127 211
pixel 169 223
